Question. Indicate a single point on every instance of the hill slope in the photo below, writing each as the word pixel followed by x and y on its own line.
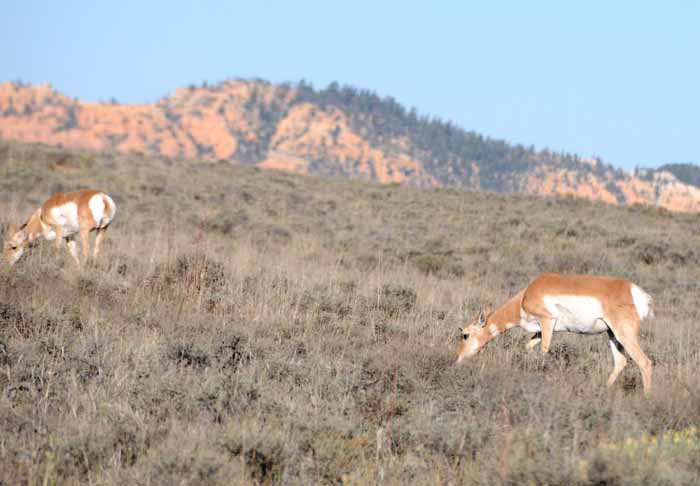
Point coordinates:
pixel 257 327
pixel 335 131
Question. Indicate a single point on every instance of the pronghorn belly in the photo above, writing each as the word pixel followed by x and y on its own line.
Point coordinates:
pixel 576 314
pixel 66 216
pixel 529 323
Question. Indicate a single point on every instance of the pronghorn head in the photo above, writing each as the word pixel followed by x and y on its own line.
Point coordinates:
pixel 474 337
pixel 15 244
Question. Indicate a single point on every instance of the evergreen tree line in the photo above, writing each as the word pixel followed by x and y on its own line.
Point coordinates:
pixel 447 150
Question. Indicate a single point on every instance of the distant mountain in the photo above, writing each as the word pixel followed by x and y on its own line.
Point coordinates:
pixel 337 131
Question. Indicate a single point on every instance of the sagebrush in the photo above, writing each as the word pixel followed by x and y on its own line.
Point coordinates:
pixel 244 326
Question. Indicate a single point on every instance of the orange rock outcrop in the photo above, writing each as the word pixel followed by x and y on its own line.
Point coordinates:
pixel 255 122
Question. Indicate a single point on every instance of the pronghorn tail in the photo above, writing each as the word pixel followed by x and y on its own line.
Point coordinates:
pixel 110 207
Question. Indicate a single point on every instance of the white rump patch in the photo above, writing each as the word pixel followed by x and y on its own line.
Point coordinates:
pixel 576 313
pixel 642 302
pixel 112 210
pixel 97 208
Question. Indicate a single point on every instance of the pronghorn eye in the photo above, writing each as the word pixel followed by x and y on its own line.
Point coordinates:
pixel 465 336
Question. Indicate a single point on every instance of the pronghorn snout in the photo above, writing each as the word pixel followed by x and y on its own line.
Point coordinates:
pixel 11 253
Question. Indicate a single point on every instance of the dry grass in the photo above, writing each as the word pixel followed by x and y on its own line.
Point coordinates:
pixel 259 327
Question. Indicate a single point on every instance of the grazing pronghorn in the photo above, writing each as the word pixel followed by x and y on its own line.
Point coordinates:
pixel 61 216
pixel 575 303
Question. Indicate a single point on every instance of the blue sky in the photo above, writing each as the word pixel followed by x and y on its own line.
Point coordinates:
pixel 620 80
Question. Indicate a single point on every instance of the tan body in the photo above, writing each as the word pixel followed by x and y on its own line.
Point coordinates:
pixel 581 304
pixel 62 216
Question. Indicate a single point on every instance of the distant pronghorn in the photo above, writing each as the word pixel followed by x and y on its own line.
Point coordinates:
pixel 61 216
pixel 575 303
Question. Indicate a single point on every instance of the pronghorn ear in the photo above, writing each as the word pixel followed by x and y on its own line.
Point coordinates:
pixel 485 312
pixel 481 319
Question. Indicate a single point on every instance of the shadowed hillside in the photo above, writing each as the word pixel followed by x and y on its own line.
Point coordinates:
pixel 248 326
pixel 337 131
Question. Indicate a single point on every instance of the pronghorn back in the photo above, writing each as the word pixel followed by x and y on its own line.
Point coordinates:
pixel 92 208
pixel 612 295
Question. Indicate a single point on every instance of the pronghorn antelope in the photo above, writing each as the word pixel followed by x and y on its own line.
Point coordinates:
pixel 61 216
pixel 582 304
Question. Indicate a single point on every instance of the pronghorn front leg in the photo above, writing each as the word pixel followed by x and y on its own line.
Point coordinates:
pixel 59 236
pixel 534 341
pixel 73 249
pixel 547 325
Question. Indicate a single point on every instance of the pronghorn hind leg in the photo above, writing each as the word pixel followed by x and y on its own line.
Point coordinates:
pixel 618 358
pixel 85 243
pixel 627 332
pixel 534 341
pixel 547 325
pixel 98 241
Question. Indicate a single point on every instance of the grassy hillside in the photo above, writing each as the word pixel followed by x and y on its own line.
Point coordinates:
pixel 255 326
